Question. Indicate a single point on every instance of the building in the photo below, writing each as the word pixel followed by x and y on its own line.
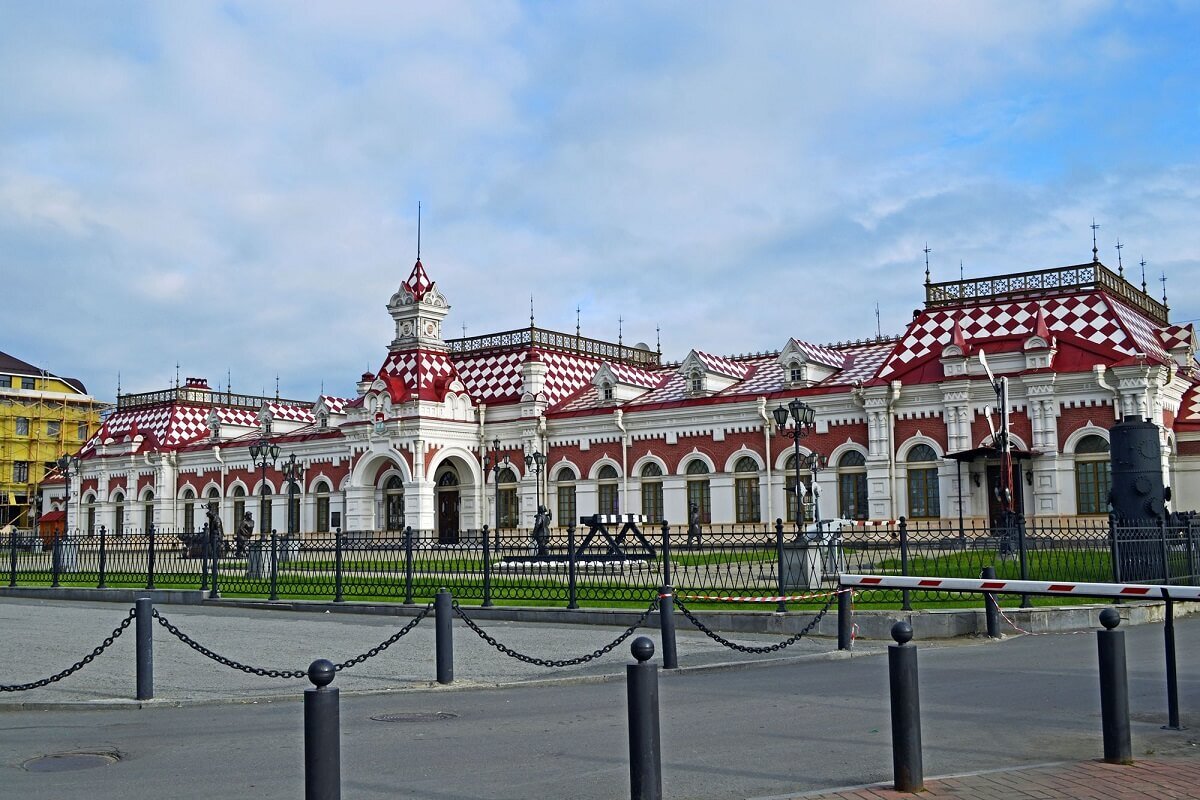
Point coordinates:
pixel 42 416
pixel 449 435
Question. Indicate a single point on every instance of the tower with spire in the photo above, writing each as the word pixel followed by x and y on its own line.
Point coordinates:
pixel 418 309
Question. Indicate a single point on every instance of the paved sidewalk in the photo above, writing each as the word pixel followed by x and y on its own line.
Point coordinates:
pixel 1146 779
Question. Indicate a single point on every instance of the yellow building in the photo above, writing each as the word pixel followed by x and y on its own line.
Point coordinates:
pixel 42 416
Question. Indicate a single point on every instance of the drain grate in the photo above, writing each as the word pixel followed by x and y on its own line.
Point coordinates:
pixel 416 716
pixel 67 762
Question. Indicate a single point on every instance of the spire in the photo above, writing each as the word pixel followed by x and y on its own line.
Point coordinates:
pixel 927 252
pixel 576 320
pixel 1040 327
pixel 1120 266
pixel 957 337
pixel 620 331
pixel 1095 251
pixel 1163 280
pixel 418 231
pixel 531 312
pixel 276 387
pixel 1143 263
pixel 418 283
pixel 118 383
pixel 658 339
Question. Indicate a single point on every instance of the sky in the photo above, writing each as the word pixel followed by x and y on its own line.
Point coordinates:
pixel 233 187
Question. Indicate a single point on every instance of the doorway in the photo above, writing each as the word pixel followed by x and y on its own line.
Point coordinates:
pixel 448 499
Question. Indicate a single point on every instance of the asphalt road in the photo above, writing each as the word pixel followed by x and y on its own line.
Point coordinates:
pixel 755 730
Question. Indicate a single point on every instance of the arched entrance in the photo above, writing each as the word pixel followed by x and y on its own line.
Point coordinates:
pixel 449 503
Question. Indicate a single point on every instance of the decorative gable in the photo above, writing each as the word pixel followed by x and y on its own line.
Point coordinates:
pixel 805 364
pixel 707 374
pixel 617 383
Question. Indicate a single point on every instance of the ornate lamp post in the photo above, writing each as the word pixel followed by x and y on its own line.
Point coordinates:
pixel 815 462
pixel 293 473
pixel 264 454
pixel 493 462
pixel 68 466
pixel 535 462
pixel 802 416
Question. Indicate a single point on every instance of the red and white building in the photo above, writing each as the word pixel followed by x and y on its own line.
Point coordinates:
pixel 902 421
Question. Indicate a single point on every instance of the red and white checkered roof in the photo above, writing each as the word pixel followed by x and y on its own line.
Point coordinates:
pixel 1174 336
pixel 426 374
pixel 418 282
pixel 1094 317
pixel 291 413
pixel 1189 409
pixel 635 376
pixel 815 353
pixel 722 365
pixel 495 376
pixel 335 405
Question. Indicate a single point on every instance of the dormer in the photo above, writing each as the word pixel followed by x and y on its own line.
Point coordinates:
pixel 707 374
pixel 1039 346
pixel 266 420
pixel 214 425
pixel 955 355
pixel 617 384
pixel 329 411
pixel 805 364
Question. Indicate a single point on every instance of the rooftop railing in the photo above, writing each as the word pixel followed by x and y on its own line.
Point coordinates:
pixel 198 396
pixel 560 342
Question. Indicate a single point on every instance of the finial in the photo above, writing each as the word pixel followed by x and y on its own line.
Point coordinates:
pixel 418 230
pixel 531 311
pixel 1143 263
pixel 1120 266
pixel 620 331
pixel 228 382
pixel 960 271
pixel 878 329
pixel 118 383
pixel 1095 250
pixel 1163 281
pixel 176 374
pixel 464 330
pixel 658 339
pixel 276 386
pixel 576 320
pixel 322 386
pixel 927 252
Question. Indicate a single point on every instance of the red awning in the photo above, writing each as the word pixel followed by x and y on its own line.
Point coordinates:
pixel 53 516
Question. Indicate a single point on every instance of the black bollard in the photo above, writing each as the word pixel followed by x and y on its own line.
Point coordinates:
pixel 1114 689
pixel 666 553
pixel 645 754
pixel 1172 671
pixel 666 624
pixel 907 768
pixel 144 611
pixel 443 613
pixel 991 609
pixel 845 618
pixel 322 735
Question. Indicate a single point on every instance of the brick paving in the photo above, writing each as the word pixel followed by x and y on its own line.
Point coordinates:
pixel 1146 779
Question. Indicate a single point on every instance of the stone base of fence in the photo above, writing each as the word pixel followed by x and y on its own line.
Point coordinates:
pixel 159 596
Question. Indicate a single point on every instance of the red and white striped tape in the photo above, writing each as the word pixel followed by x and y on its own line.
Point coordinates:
pixel 1135 590
pixel 791 598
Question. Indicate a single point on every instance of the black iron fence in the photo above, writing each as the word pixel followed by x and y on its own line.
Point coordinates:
pixel 601 565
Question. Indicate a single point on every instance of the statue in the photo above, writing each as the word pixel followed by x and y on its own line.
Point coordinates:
pixel 241 537
pixel 541 532
pixel 693 533
pixel 215 530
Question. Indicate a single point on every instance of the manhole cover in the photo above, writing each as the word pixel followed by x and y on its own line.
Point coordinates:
pixel 65 762
pixel 416 716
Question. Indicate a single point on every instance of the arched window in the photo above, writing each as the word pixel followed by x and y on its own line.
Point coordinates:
pixel 1093 475
pixel 148 511
pixel 565 487
pixel 696 382
pixel 506 499
pixel 698 492
pixel 393 503
pixel 745 490
pixel 852 485
pixel 321 489
pixel 606 391
pixel 607 499
pixel 923 501
pixel 239 506
pixel 118 513
pixel 89 505
pixel 790 496
pixel 214 501
pixel 652 492
pixel 189 510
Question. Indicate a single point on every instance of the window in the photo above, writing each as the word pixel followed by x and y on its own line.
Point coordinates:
pixel 264 510
pixel 22 424
pixel 652 493
pixel 81 431
pixel 148 512
pixel 795 372
pixel 27 383
pixel 20 472
pixel 696 382
pixel 322 507
pixel 606 391
pixel 745 490
pixel 923 499
pixel 53 427
pixel 90 513
pixel 5 381
pixel 852 485
pixel 789 481
pixel 698 492
pixel 565 478
pixel 393 502
pixel 607 498
pixel 119 514
pixel 1093 475
pixel 189 510
pixel 507 504
pixel 239 506
pixel 213 504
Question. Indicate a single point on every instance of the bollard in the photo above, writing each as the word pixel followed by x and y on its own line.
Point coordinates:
pixel 666 553
pixel 144 612
pixel 907 769
pixel 845 618
pixel 666 624
pixel 645 755
pixel 1114 689
pixel 443 613
pixel 338 596
pixel 150 559
pixel 991 609
pixel 274 566
pixel 572 598
pixel 1172 671
pixel 487 570
pixel 55 566
pixel 216 545
pixel 781 606
pixel 322 735
pixel 408 565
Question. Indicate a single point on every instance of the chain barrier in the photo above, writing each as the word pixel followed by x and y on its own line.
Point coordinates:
pixel 78 665
pixel 741 648
pixel 566 662
pixel 289 673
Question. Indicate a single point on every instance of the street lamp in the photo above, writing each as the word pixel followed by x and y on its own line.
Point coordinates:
pixel 293 473
pixel 67 467
pixel 263 453
pixel 535 462
pixel 496 464
pixel 802 416
pixel 814 463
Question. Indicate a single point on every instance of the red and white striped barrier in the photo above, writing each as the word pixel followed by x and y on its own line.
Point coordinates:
pixel 1134 590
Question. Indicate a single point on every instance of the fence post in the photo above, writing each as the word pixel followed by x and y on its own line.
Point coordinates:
pixel 55 558
pixel 1114 689
pixel 645 755
pixel 907 767
pixel 150 558
pixel 781 607
pixel 1162 543
pixel 204 555
pixel 905 594
pixel 144 612
pixel 991 610
pixel 572 598
pixel 216 545
pixel 274 566
pixel 102 582
pixel 443 614
pixel 487 570
pixel 408 565
pixel 322 735
pixel 1172 672
pixel 338 597
pixel 1114 547
pixel 845 617
pixel 1022 552
pixel 666 626
pixel 12 557
pixel 666 553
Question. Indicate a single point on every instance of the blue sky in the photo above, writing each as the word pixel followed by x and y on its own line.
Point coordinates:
pixel 233 186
